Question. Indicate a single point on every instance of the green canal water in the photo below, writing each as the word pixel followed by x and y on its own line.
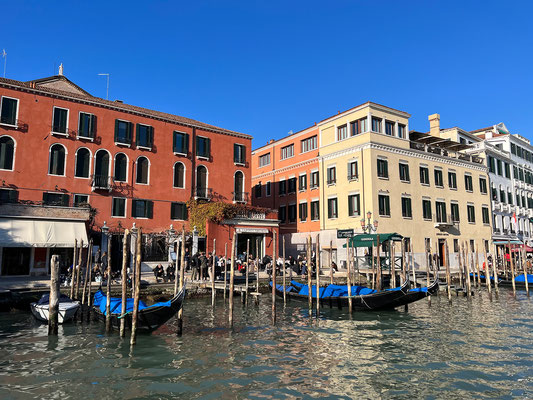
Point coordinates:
pixel 472 349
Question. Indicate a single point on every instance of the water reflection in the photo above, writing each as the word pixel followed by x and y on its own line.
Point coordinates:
pixel 473 348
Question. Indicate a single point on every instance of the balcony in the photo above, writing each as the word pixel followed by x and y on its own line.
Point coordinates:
pixel 444 221
pixel 445 153
pixel 203 193
pixel 240 197
pixel 496 206
pixel 101 182
pixel 497 231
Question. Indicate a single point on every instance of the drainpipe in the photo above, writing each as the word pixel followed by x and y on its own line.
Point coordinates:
pixel 193 162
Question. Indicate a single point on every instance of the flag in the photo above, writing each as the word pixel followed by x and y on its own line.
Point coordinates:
pixel 515 222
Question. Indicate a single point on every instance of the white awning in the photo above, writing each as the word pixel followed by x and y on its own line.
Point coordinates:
pixel 40 233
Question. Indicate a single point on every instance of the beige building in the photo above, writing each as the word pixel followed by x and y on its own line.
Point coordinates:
pixel 420 185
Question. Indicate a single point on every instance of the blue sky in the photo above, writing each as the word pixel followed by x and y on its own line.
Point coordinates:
pixel 268 67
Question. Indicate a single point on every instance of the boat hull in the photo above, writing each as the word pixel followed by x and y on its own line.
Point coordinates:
pixel 67 311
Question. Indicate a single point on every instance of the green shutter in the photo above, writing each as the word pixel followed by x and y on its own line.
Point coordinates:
pixel 208 147
pixel 133 208
pixel 137 135
pixel 116 130
pixel 350 206
pixel 151 136
pixel 174 135
pixel 149 209
pixel 186 140
pixel 92 131
pixel 235 153
pixel 130 132
pixel 45 197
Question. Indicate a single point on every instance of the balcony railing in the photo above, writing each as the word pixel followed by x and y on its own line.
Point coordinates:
pixel 203 193
pixel 445 153
pixel 240 197
pixel 101 182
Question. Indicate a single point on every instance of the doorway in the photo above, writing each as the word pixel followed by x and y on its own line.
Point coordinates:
pixel 442 252
pixel 16 260
pixel 242 240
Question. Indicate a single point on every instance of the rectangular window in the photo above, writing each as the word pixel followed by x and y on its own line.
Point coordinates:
pixel 389 128
pixel 282 213
pixel 513 149
pixel 309 144
pixel 80 200
pixel 424 175
pixel 332 208
pixel 180 143
pixel 292 185
pixel 456 245
pixel 485 215
pixel 518 200
pixel 352 170
pixel 376 124
pixel 492 164
pixel 515 172
pixel 178 211
pixel 468 183
pixel 239 154
pixel 406 207
pixel 9 111
pixel 268 188
pixel 440 208
pixel 287 151
pixel 353 205
pixel 358 127
pixel 315 210
pixel 144 136
pixel 342 132
pixel 384 205
pixel 118 207
pixel 282 185
pixel 426 209
pixel 9 196
pixel 404 172
pixel 439 181
pixel 87 125
pixel 302 182
pixel 499 167
pixel 383 168
pixel 452 180
pixel 292 213
pixel 401 131
pixel 60 120
pixel 483 185
pixel 123 132
pixel 303 211
pixel 142 209
pixel 470 211
pixel 331 175
pixel 455 212
pixel 258 188
pixel 264 160
pixel 314 180
pixel 203 147
pixel 56 199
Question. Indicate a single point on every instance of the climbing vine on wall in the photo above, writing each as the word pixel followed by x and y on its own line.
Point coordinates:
pixel 200 212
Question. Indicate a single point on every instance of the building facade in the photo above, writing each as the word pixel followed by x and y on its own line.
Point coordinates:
pixel 60 146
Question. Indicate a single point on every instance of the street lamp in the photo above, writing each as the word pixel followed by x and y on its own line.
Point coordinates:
pixel 369 227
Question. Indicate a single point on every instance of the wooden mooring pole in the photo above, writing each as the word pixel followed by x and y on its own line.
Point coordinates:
pixel 348 273
pixel 231 280
pixel 78 269
pixel 87 268
pixel 393 264
pixel 330 259
pixel 512 267
pixel 428 255
pixel 274 265
pixel 317 266
pixel 53 307
pixel 412 262
pixel 137 288
pixel 487 273
pixel 74 263
pixel 284 273
pixel 309 272
pixel 124 282
pixel 247 270
pixel 524 267
pixel 213 262
pixel 181 281
pixel 448 277
pixel 225 270
pixel 108 291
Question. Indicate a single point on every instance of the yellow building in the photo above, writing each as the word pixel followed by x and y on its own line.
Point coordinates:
pixel 420 185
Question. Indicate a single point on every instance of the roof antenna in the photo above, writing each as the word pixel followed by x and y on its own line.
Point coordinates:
pixel 4 55
pixel 107 88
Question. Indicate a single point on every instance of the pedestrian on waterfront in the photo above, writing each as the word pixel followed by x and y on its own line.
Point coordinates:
pixel 195 266
pixel 203 266
pixel 187 259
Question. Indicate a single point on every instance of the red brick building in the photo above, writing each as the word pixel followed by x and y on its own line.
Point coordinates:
pixel 61 146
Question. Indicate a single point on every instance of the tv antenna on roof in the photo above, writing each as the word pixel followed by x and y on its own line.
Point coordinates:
pixel 107 87
pixel 4 55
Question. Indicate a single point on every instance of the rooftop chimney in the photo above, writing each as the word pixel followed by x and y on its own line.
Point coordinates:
pixel 434 125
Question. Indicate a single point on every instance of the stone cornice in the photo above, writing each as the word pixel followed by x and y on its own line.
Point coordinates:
pixel 286 169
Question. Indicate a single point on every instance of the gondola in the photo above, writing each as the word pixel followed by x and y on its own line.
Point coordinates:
pixel 519 280
pixel 149 318
pixel 416 294
pixel 66 309
pixel 363 298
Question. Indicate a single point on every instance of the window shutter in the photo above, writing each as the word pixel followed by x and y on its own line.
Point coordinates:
pixel 235 153
pixel 186 140
pixel 116 130
pixel 92 131
pixel 65 200
pixel 45 197
pixel 134 208
pixel 174 135
pixel 149 209
pixel 151 136
pixel 350 205
pixel 185 212
pixel 172 210
pixel 137 135
pixel 208 147
pixel 130 132
pixel 358 204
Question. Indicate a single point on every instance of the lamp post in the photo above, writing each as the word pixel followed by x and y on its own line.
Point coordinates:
pixel 369 227
pixel 105 234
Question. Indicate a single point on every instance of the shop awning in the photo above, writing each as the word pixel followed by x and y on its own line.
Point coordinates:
pixel 371 239
pixel 40 233
pixel 505 242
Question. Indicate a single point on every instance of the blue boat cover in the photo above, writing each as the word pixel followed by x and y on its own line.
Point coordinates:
pixel 328 291
pixel 100 301
pixel 419 289
pixel 520 278
pixel 45 299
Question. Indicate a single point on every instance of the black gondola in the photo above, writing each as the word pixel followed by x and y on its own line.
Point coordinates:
pixel 416 294
pixel 149 318
pixel 363 298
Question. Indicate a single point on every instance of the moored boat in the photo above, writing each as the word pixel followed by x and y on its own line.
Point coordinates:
pixel 150 317
pixel 67 308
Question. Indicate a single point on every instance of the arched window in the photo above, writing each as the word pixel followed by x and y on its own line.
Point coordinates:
pixel 56 165
pixel 238 194
pixel 179 175
pixel 142 170
pixel 7 151
pixel 101 165
pixel 121 167
pixel 83 157
pixel 201 182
